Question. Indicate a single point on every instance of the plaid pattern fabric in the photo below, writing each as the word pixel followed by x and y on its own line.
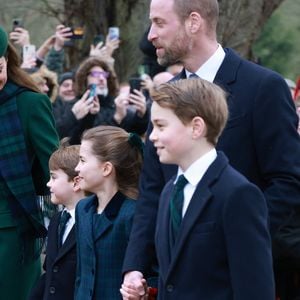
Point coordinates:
pixel 101 246
pixel 15 170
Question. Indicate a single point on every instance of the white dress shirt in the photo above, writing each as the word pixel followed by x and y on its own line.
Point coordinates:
pixel 69 224
pixel 209 69
pixel 194 174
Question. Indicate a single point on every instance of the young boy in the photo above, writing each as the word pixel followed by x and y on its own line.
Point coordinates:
pixel 58 282
pixel 212 239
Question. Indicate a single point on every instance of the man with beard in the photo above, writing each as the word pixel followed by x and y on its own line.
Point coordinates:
pixel 259 133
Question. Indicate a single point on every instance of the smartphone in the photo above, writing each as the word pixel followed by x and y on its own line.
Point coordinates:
pixel 78 33
pixel 92 88
pixel 135 84
pixel 113 33
pixel 16 23
pixel 98 39
pixel 29 52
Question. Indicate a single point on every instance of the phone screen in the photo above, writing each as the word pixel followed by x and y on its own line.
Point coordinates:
pixel 92 90
pixel 29 52
pixel 113 33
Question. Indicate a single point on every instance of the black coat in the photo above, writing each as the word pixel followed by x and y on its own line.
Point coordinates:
pixel 260 141
pixel 58 282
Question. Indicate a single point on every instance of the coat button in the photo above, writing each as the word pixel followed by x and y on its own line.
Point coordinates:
pixel 55 269
pixel 170 288
pixel 93 271
pixel 52 290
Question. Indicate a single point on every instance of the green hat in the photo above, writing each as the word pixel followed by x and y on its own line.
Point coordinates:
pixel 3 42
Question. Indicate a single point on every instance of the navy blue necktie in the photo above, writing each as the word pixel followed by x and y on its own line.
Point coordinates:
pixel 64 218
pixel 176 205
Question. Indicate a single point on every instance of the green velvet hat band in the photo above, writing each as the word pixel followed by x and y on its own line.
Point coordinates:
pixel 3 42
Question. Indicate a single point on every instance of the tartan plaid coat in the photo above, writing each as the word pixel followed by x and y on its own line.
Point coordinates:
pixel 101 244
pixel 41 140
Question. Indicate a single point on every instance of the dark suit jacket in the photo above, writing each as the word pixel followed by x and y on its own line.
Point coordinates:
pixel 101 249
pixel 260 140
pixel 223 248
pixel 58 282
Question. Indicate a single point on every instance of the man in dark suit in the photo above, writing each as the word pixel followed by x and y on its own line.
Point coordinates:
pixel 58 281
pixel 260 138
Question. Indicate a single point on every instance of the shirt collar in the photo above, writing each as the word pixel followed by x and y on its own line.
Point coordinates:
pixel 197 169
pixel 209 69
pixel 71 212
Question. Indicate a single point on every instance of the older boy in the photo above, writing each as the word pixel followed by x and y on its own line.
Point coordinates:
pixel 60 264
pixel 212 241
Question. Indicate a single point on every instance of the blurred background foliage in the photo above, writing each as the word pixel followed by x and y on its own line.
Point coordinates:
pixel 277 47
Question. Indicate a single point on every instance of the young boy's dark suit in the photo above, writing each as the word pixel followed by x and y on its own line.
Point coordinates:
pixel 60 265
pixel 223 248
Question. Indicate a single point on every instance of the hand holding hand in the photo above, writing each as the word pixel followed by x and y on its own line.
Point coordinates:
pixel 134 286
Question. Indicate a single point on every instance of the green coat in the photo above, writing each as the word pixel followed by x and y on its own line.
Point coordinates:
pixel 35 111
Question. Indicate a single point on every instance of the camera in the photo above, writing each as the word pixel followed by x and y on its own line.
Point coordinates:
pixel 135 84
pixel 29 52
pixel 78 33
pixel 92 88
pixel 16 23
pixel 113 33
pixel 98 39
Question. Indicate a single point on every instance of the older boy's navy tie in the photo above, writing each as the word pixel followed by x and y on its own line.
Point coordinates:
pixel 64 218
pixel 176 204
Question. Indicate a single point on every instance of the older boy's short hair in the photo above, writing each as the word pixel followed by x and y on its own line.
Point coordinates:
pixel 189 98
pixel 66 159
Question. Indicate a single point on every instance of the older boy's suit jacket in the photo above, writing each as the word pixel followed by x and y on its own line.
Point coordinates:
pixel 260 140
pixel 101 250
pixel 223 248
pixel 60 265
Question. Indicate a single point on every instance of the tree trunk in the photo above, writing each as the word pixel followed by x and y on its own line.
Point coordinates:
pixel 241 22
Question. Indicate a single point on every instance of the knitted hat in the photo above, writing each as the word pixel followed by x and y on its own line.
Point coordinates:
pixel 65 76
pixel 3 42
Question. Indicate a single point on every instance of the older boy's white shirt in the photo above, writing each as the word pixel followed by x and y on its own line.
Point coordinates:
pixel 194 174
pixel 69 224
pixel 209 69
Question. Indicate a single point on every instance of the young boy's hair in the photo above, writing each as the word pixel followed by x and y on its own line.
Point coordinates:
pixel 123 150
pixel 189 98
pixel 65 158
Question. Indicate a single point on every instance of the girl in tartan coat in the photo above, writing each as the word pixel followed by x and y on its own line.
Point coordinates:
pixel 109 167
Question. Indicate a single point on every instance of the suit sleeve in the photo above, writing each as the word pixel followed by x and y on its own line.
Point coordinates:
pixel 248 244
pixel 277 146
pixel 140 254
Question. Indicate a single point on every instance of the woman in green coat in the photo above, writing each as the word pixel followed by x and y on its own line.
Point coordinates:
pixel 27 139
